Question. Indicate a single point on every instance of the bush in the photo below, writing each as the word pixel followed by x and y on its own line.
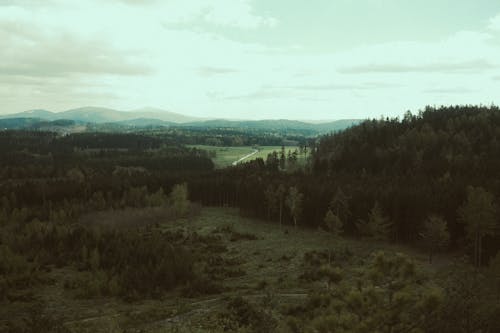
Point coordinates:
pixel 241 314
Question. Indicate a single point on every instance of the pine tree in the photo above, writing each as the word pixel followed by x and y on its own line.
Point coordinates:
pixel 280 194
pixel 378 226
pixel 478 214
pixel 271 197
pixel 95 260
pixel 294 203
pixel 333 223
pixel 435 234
pixel 179 199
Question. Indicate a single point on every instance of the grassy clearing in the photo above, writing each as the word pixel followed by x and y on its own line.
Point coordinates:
pixel 260 261
pixel 225 156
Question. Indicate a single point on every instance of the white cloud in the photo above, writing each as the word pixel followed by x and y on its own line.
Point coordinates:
pixel 173 54
pixel 228 13
pixel 494 23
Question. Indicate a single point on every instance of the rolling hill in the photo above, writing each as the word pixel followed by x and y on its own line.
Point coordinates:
pixel 92 114
pixel 148 117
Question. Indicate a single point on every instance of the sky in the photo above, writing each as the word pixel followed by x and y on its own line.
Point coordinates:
pixel 249 59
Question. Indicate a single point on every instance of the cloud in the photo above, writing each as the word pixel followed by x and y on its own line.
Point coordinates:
pixel 138 2
pixel 212 71
pixel 334 86
pixel 442 67
pixel 189 14
pixel 494 23
pixel 29 52
pixel 262 93
pixel 445 91
pixel 25 3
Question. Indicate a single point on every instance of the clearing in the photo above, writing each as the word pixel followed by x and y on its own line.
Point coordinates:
pixel 227 156
pixel 262 262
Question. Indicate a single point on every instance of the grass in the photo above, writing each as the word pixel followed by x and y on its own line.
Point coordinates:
pixel 261 262
pixel 225 156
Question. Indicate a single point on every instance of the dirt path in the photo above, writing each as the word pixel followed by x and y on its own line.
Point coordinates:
pixel 255 151
pixel 206 306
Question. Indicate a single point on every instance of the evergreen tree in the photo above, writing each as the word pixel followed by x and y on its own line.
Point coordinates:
pixel 378 226
pixel 294 203
pixel 435 235
pixel 179 199
pixel 271 196
pixel 282 158
pixel 333 223
pixel 95 260
pixel 478 214
pixel 280 195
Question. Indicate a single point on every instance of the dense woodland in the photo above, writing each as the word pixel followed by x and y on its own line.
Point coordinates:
pixel 430 180
pixel 410 169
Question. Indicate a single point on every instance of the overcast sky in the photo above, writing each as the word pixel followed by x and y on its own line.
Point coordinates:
pixel 318 59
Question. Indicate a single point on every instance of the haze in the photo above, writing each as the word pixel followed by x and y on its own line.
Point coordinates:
pixel 323 59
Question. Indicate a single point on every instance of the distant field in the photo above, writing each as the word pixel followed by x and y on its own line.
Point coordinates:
pixel 225 156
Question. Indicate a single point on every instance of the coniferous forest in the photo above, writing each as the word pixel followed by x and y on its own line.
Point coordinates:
pixel 390 225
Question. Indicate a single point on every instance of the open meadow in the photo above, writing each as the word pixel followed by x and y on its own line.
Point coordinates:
pixel 226 156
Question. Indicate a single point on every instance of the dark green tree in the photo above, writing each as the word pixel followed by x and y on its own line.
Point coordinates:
pixel 478 214
pixel 435 235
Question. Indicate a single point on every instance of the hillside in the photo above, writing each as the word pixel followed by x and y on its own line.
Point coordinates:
pixel 136 232
pixel 270 272
pixel 150 117
pixel 104 115
pixel 279 124
pixel 406 171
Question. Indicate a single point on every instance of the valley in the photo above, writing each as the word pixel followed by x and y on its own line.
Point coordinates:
pixel 386 226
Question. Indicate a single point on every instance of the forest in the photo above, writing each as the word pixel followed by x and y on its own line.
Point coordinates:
pixel 124 216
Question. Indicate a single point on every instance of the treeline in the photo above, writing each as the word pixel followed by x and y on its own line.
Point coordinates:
pixel 34 155
pixel 128 260
pixel 229 137
pixel 423 167
pixel 442 162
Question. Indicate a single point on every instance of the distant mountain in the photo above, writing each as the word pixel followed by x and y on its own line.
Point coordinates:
pixel 280 124
pixel 105 115
pixel 60 125
pixel 18 123
pixel 34 114
pixel 154 113
pixel 146 122
pixel 151 117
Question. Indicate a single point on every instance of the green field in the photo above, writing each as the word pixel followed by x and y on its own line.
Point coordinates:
pixel 225 156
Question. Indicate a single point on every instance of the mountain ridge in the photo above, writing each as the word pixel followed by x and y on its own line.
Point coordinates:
pixel 94 114
pixel 147 117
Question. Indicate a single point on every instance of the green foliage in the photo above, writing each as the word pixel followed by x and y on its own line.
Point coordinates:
pixel 272 200
pixel 15 273
pixel 478 213
pixel 333 223
pixel 158 198
pixel 435 234
pixel 378 226
pixel 388 296
pixel 469 303
pixel 94 260
pixel 34 319
pixel 494 273
pixel 179 199
pixel 294 202
pixel 241 315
